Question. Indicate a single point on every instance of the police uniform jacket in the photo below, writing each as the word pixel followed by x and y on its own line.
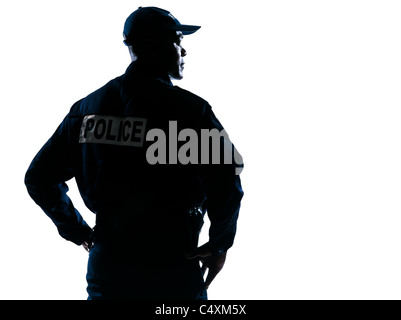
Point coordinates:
pixel 141 207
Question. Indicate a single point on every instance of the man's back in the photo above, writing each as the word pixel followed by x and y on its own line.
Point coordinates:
pixel 109 165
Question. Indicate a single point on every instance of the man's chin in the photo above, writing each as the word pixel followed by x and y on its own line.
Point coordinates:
pixel 177 74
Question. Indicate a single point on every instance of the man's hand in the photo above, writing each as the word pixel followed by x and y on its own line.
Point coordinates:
pixel 87 246
pixel 212 262
pixel 89 242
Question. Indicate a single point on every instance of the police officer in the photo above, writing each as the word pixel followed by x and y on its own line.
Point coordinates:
pixel 148 213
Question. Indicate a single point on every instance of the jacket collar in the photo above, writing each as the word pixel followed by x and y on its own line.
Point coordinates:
pixel 141 71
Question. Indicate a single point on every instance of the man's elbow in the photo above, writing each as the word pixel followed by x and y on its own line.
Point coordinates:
pixel 28 179
pixel 31 183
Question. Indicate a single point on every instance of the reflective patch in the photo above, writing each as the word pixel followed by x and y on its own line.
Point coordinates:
pixel 121 131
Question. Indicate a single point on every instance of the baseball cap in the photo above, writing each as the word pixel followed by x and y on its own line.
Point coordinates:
pixel 147 20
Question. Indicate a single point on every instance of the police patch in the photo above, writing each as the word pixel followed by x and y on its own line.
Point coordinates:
pixel 121 131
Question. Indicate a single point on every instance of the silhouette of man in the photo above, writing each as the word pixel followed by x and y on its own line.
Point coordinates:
pixel 127 146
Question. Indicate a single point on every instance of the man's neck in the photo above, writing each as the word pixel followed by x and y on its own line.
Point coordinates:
pixel 151 69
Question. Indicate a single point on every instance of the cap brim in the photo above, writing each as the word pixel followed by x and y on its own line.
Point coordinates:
pixel 187 29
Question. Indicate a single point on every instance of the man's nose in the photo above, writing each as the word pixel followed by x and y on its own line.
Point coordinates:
pixel 183 52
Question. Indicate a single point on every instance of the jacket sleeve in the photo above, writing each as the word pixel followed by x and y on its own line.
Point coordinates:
pixel 45 181
pixel 222 185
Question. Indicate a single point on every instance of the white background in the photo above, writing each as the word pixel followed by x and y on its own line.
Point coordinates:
pixel 309 92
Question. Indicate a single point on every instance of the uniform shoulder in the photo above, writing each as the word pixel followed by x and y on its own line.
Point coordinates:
pixel 98 100
pixel 188 96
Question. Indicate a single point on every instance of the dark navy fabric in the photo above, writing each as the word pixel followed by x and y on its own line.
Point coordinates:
pixel 141 230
